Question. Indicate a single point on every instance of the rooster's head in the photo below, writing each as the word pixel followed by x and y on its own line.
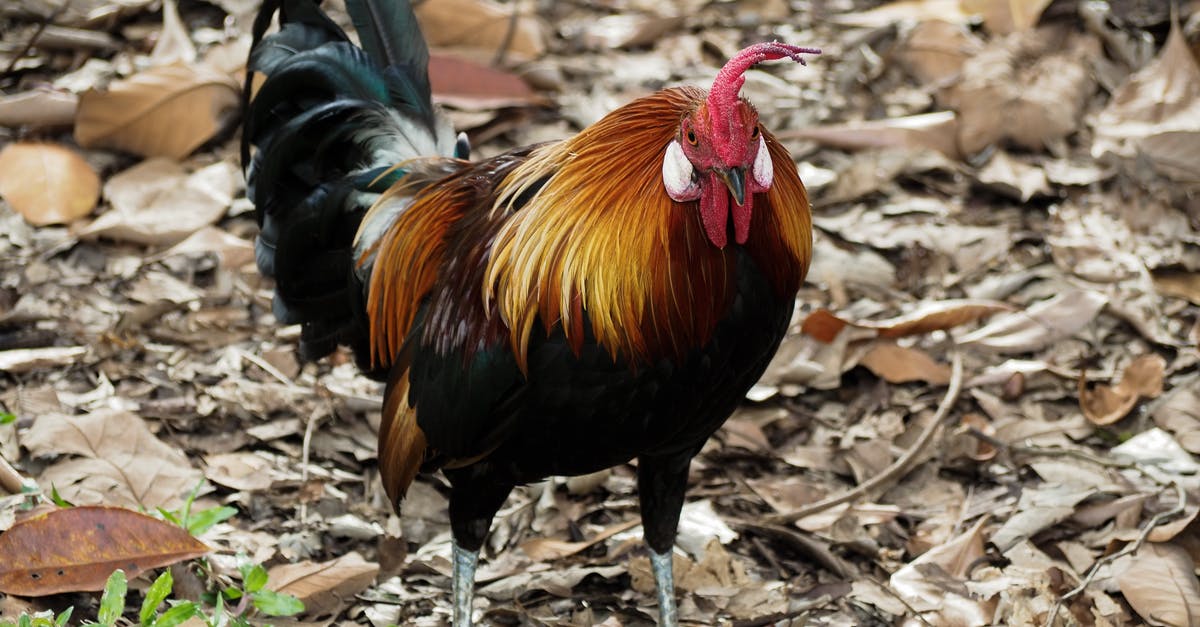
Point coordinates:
pixel 720 151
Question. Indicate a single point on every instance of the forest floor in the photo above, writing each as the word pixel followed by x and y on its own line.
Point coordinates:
pixel 988 406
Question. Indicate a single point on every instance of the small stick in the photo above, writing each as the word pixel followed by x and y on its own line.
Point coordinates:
pixel 901 466
pixel 313 419
pixel 36 34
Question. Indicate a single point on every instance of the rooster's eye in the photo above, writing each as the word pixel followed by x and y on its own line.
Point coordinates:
pixel 754 132
pixel 691 137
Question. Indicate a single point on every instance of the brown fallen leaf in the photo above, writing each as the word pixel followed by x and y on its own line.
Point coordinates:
pixel 902 364
pixel 928 317
pixel 166 111
pixel 76 549
pixel 465 84
pixel 483 26
pixel 324 587
pixel 1179 413
pixel 25 359
pixel 1161 585
pixel 1106 404
pixel 47 183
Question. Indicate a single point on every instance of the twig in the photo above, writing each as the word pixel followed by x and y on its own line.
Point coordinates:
pixel 309 428
pixel 509 34
pixel 901 466
pixel 36 34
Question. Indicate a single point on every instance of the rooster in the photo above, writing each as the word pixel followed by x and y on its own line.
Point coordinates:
pixel 555 310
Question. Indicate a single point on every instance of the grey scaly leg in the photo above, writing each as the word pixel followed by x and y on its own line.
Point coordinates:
pixel 464 584
pixel 664 582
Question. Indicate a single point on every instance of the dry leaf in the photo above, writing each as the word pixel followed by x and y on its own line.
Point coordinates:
pixel 1157 112
pixel 922 583
pixel 1028 88
pixel 547 549
pixel 1013 178
pixel 481 25
pixel 926 318
pixel 937 131
pixel 1042 324
pixel 1161 585
pixel 324 587
pixel 464 84
pixel 628 31
pixel 1007 16
pixel 108 444
pixel 900 364
pixel 38 108
pixel 77 548
pixel 1179 413
pixel 231 250
pixel 1105 404
pixel 26 359
pixel 47 183
pixel 166 111
pixel 936 50
pixel 909 10
pixel 157 202
pixel 174 42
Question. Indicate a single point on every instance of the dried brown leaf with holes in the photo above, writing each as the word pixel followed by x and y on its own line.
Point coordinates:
pixel 77 548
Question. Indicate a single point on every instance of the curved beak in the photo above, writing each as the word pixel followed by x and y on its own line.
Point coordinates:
pixel 735 180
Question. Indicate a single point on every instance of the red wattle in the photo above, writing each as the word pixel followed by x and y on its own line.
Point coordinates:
pixel 714 211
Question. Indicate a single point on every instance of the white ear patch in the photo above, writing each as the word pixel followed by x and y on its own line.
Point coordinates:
pixel 764 170
pixel 677 174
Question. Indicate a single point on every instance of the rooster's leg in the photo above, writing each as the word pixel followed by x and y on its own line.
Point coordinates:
pixel 464 584
pixel 473 504
pixel 661 482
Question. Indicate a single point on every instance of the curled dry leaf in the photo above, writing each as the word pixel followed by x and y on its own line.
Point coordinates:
pixel 166 111
pixel 926 318
pixel 1161 585
pixel 324 587
pixel 952 11
pixel 47 183
pixel 547 549
pixel 1042 324
pixel 1106 404
pixel 76 549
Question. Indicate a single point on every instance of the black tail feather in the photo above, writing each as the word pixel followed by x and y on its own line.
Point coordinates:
pixel 326 121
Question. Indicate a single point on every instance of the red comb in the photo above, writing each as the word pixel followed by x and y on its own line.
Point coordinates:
pixel 723 97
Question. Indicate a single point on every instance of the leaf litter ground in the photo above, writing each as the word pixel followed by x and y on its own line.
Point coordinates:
pixel 987 412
